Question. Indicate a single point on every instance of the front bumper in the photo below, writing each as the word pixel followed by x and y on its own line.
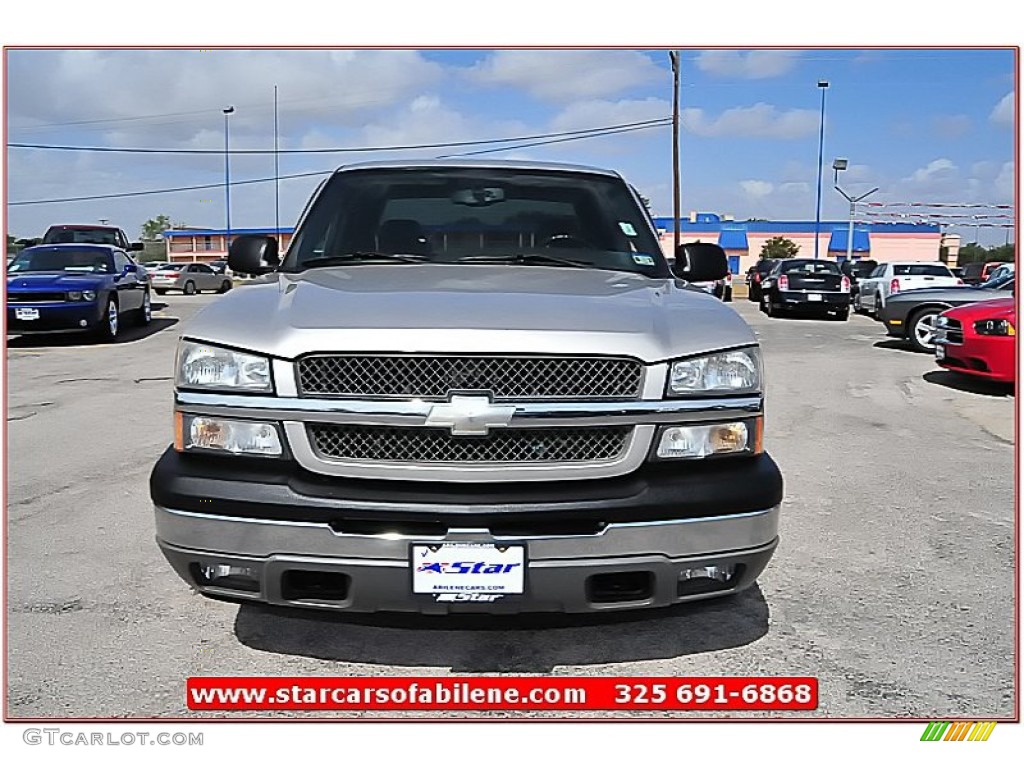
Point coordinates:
pixel 582 538
pixel 987 357
pixel 55 317
pixel 625 566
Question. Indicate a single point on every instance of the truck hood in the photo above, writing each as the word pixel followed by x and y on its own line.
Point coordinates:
pixel 470 309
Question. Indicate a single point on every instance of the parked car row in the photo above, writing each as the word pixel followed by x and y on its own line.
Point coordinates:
pixel 82 279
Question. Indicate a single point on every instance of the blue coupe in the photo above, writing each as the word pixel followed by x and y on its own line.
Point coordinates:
pixel 75 287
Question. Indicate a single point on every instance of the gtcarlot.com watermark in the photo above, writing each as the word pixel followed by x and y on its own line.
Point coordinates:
pixel 62 737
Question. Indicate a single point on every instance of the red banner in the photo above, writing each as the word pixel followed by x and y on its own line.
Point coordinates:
pixel 504 694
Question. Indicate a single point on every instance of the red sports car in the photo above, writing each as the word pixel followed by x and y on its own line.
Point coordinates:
pixel 979 340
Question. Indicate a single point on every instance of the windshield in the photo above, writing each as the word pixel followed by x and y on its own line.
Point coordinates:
pixel 63 260
pixel 996 282
pixel 810 267
pixel 477 216
pixel 86 235
pixel 917 270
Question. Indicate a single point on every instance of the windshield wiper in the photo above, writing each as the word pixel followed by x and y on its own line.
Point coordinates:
pixel 524 258
pixel 362 257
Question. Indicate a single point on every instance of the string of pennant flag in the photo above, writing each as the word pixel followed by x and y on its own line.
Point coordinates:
pixel 938 205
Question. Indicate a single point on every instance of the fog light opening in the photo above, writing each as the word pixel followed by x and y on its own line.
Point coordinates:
pixel 244 578
pixel 621 587
pixel 707 578
pixel 322 586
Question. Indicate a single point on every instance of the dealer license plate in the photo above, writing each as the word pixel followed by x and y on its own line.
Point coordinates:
pixel 26 313
pixel 814 297
pixel 468 568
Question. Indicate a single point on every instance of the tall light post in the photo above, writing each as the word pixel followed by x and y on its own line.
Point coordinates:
pixel 823 85
pixel 227 180
pixel 841 164
pixel 674 58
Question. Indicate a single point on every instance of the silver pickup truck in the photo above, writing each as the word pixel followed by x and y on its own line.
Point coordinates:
pixel 469 386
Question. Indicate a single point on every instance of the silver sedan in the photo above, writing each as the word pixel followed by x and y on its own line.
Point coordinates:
pixel 189 279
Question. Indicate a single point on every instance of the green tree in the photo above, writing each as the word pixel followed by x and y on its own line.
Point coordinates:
pixel 154 228
pixel 1001 253
pixel 779 248
pixel 970 253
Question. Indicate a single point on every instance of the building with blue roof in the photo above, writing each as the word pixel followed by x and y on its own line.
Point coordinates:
pixel 742 240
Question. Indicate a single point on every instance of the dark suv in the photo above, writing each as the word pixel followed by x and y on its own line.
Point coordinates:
pixel 755 275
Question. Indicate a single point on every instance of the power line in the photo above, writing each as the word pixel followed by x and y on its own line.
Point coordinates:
pixel 589 133
pixel 581 133
pixel 657 124
pixel 142 193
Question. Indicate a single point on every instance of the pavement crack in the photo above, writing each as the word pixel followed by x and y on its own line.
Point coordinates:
pixel 85 378
pixel 153 378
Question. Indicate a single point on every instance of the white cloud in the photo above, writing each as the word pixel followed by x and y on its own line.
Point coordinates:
pixel 759 121
pixel 1003 112
pixel 937 171
pixel 752 65
pixel 598 113
pixel 567 75
pixel 186 90
pixel 757 187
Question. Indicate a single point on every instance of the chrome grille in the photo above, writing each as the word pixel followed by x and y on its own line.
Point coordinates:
pixel 435 377
pixel 439 446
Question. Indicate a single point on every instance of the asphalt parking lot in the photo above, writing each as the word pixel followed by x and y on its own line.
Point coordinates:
pixel 893 583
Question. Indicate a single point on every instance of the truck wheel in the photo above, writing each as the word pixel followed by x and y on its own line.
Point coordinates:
pixel 921 329
pixel 858 308
pixel 110 325
pixel 728 294
pixel 190 288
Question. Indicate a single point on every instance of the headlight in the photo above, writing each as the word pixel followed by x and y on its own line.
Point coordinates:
pixel 211 433
pixel 994 328
pixel 735 372
pixel 703 440
pixel 89 295
pixel 74 295
pixel 201 366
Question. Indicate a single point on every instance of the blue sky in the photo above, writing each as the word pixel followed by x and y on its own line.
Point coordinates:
pixel 928 126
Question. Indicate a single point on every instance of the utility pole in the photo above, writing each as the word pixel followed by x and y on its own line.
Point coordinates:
pixel 674 58
pixel 277 178
pixel 227 180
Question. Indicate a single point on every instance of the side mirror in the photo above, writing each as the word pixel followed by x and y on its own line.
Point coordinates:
pixel 131 268
pixel 136 247
pixel 253 254
pixel 700 262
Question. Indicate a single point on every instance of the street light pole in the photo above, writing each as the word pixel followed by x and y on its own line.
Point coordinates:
pixel 839 164
pixel 674 57
pixel 227 181
pixel 823 85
